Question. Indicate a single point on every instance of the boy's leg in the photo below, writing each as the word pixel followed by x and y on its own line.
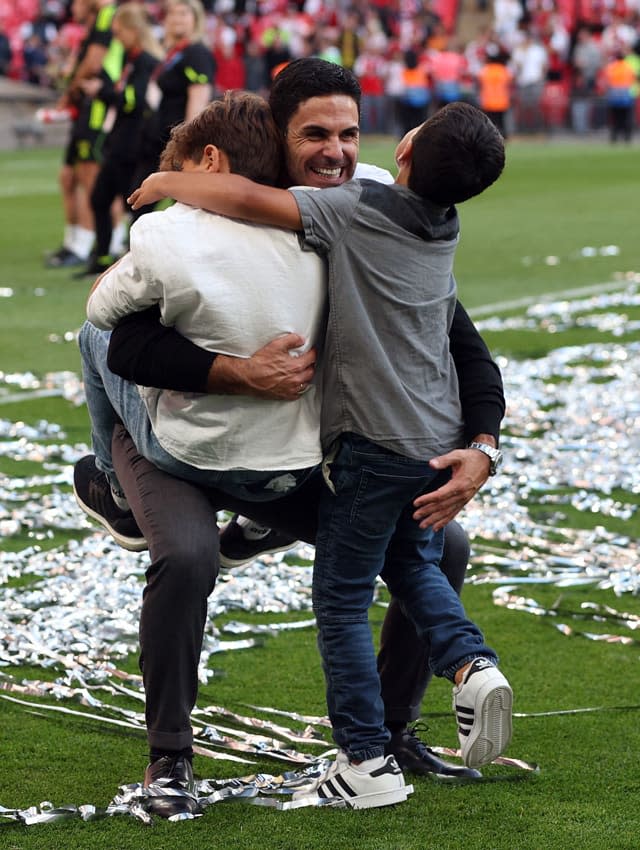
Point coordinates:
pixel 110 399
pixel 403 659
pixel 413 575
pixel 95 484
pixel 482 705
pixel 403 665
pixel 356 524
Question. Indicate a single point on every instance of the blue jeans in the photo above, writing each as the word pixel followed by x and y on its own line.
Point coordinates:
pixel 367 529
pixel 111 399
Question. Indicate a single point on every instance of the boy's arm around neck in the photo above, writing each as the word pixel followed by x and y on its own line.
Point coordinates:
pixel 225 194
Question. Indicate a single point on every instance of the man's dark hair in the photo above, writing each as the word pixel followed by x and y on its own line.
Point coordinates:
pixel 305 78
pixel 457 153
pixel 241 125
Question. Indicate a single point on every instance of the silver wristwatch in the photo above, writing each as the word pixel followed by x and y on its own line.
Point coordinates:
pixel 494 455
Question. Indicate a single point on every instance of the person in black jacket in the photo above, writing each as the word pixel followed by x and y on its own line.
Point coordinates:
pixel 125 100
pixel 177 519
pixel 180 86
pixel 97 52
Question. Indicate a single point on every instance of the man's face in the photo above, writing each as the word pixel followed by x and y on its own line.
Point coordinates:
pixel 322 141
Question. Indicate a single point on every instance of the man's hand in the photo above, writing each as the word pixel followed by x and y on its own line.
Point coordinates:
pixel 150 191
pixel 272 372
pixel 469 471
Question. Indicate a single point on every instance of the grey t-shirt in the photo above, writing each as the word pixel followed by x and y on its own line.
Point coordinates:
pixel 387 373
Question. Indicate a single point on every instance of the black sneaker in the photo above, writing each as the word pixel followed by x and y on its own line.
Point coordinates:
pixel 236 550
pixel 170 788
pixel 415 757
pixel 64 258
pixel 93 493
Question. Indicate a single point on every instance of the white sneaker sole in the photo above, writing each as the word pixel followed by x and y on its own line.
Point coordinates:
pixel 491 731
pixel 132 544
pixel 383 798
pixel 227 563
pixel 363 801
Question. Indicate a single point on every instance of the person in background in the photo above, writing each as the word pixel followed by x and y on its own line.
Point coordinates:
pixel 447 68
pixel 416 96
pixel 495 82
pixel 529 63
pixel 180 86
pixel 35 61
pixel 98 52
pixel 6 53
pixel 125 100
pixel 620 81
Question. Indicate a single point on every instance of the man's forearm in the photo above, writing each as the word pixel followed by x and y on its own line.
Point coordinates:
pixel 146 352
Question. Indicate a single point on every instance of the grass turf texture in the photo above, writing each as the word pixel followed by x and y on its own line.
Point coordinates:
pixel 551 202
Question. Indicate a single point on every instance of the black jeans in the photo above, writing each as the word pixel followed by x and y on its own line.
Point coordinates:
pixel 178 520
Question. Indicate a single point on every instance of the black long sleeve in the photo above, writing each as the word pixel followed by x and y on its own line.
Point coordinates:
pixel 479 378
pixel 146 352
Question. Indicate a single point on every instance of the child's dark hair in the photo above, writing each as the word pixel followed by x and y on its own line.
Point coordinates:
pixel 457 153
pixel 241 125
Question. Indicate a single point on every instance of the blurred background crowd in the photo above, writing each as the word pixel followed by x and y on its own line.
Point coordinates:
pixel 124 73
pixel 535 65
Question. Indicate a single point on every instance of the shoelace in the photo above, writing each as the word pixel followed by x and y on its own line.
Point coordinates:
pixel 412 735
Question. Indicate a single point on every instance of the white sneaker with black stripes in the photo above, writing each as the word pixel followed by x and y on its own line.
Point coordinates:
pixel 367 785
pixel 482 703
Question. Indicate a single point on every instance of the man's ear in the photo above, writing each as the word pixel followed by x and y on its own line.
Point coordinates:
pixel 212 157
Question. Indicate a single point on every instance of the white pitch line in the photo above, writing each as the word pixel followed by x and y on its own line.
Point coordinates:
pixel 503 306
pixel 29 395
pixel 24 191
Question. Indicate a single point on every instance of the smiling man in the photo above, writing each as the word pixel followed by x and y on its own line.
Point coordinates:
pixel 315 105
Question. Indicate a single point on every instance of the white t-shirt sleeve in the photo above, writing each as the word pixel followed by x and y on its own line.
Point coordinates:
pixel 365 171
pixel 125 288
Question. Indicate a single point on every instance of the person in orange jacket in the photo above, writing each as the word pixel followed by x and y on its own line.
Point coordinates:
pixel 495 82
pixel 620 80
